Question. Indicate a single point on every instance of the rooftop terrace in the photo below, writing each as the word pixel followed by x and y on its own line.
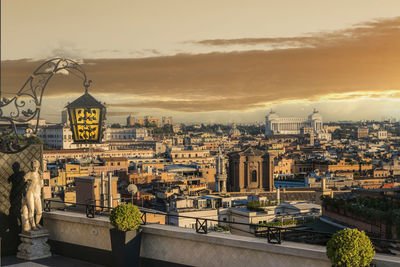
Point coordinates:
pixel 75 236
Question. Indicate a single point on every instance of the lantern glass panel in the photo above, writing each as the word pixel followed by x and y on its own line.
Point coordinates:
pixel 85 124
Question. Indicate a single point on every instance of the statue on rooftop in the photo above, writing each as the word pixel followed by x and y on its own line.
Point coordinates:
pixel 31 208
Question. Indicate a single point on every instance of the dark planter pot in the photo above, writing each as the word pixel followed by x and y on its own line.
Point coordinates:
pixel 125 247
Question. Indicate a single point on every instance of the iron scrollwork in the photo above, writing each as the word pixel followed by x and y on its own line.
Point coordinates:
pixel 25 106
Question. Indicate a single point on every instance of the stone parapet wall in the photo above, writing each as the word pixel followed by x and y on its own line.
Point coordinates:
pixel 76 228
pixel 77 236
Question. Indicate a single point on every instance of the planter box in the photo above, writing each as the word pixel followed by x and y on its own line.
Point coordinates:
pixel 125 247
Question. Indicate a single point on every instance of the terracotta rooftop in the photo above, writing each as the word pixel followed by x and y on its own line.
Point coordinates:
pixel 114 159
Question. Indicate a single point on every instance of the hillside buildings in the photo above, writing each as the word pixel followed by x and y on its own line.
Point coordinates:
pixel 148 121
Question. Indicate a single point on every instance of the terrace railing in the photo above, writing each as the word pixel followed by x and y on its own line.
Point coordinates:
pixel 274 234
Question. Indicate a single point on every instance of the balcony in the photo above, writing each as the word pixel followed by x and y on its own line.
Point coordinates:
pixel 74 236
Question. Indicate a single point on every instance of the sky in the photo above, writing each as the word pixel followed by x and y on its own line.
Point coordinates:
pixel 211 61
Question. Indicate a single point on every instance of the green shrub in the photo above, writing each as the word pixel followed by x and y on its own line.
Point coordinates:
pixel 126 217
pixel 258 205
pixel 350 247
pixel 222 228
pixel 280 223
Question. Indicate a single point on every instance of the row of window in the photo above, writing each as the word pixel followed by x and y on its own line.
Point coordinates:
pixel 189 155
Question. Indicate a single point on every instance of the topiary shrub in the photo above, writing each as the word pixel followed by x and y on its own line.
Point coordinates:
pixel 350 247
pixel 126 217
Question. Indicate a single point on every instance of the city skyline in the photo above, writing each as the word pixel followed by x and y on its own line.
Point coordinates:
pixel 212 62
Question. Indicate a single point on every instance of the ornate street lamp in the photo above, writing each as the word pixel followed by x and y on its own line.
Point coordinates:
pixel 87 115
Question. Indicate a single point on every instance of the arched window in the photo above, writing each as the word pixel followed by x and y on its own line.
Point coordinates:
pixel 254 176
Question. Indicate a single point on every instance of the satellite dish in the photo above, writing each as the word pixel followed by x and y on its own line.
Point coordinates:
pixel 132 188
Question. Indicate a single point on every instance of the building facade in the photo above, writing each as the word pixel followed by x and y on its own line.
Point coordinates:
pixel 130 121
pixel 125 134
pixel 362 132
pixel 275 125
pixel 250 170
pixel 382 134
pixel 166 121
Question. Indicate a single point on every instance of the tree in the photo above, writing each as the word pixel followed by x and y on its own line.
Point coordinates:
pixel 115 125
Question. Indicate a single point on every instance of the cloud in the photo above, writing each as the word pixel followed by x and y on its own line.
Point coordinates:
pixel 282 41
pixel 317 39
pixel 203 105
pixel 121 113
pixel 346 64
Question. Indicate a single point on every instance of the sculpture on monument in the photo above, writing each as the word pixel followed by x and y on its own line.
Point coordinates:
pixel 31 208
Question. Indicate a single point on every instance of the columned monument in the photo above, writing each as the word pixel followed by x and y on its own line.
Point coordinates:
pixel 276 125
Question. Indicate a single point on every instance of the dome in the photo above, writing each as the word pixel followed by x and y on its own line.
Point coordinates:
pixel 234 130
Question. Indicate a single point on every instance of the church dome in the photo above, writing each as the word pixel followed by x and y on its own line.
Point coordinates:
pixel 234 130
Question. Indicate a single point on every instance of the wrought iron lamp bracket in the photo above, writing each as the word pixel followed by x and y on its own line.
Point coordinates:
pixel 26 105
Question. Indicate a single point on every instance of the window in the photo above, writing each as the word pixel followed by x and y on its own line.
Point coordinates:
pixel 254 176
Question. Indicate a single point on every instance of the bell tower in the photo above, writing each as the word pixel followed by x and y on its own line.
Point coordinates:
pixel 220 175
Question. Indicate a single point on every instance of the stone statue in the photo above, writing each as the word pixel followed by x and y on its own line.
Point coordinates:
pixel 33 237
pixel 31 208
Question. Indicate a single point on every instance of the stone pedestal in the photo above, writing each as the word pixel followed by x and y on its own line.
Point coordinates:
pixel 34 246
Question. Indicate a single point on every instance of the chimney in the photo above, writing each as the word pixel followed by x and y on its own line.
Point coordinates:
pixel 278 196
pixel 102 193
pixel 110 198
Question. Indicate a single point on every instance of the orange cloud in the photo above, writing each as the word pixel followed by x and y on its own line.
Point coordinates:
pixel 364 58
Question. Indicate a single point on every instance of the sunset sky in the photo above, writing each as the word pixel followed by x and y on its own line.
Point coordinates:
pixel 212 61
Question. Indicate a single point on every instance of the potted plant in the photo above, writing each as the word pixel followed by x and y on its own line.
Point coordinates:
pixel 350 247
pixel 125 236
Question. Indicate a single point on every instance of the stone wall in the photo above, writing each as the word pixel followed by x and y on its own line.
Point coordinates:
pixel 76 228
pixel 12 186
pixel 74 235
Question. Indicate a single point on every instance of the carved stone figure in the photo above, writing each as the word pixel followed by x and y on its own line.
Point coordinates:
pixel 31 208
pixel 33 237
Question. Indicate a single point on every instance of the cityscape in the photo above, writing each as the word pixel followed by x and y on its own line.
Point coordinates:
pixel 199 134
